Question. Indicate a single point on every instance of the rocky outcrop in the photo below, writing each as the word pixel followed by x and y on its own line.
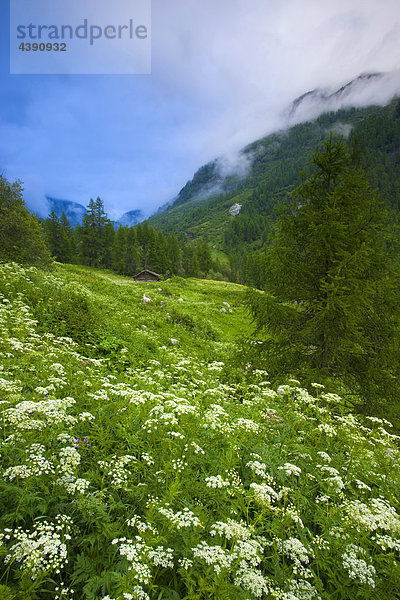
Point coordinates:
pixel 235 210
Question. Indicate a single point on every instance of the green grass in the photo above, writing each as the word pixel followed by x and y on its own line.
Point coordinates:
pixel 197 315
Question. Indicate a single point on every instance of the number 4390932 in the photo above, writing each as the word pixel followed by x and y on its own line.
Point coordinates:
pixel 42 47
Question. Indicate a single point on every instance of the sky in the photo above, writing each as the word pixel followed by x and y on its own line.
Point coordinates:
pixel 222 74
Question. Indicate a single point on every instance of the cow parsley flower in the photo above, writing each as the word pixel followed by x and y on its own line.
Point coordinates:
pixel 216 556
pixel 231 530
pixel 181 519
pixel 41 550
pixel 258 468
pixel 290 469
pixel 293 548
pixel 69 458
pixel 325 456
pixel 216 481
pixel 252 581
pixel 357 568
pixel 264 493
pixel 327 429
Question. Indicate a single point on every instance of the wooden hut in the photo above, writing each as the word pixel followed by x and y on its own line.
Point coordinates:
pixel 147 275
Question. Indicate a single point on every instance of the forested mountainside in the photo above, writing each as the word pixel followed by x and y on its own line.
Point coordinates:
pixel 276 166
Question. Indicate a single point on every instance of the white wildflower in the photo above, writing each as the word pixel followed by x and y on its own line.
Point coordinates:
pixel 357 568
pixel 185 563
pixel 216 481
pixel 327 429
pixel 293 548
pixel 214 555
pixel 41 550
pixel 181 519
pixel 325 456
pixel 264 493
pixel 252 581
pixel 290 469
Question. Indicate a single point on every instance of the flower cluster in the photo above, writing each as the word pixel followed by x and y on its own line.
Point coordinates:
pixel 290 469
pixel 43 549
pixel 181 519
pixel 210 488
pixel 356 567
pixel 116 469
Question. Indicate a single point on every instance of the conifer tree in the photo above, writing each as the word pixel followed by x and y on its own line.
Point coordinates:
pixel 133 258
pixel 67 250
pixel 204 257
pixel 108 235
pixel 60 237
pixel 189 261
pixel 52 230
pixel 173 254
pixel 332 307
pixel 119 250
pixel 92 234
pixel 21 236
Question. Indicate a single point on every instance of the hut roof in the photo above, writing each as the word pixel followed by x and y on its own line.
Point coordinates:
pixel 148 272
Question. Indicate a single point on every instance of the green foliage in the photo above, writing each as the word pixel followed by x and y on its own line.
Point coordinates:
pixel 333 271
pixel 65 311
pixel 60 237
pixel 179 240
pixel 94 235
pixel 6 593
pixel 378 137
pixel 21 236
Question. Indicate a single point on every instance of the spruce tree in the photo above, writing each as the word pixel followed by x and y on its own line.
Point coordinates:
pixel 92 234
pixel 52 228
pixel 332 302
pixel 67 250
pixel 60 237
pixel 204 256
pixel 119 250
pixel 133 259
pixel 174 254
pixel 21 236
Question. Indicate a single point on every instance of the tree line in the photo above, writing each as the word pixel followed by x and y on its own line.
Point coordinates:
pixel 96 243
pixel 127 250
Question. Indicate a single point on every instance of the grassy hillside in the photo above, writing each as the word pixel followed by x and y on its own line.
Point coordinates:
pixel 134 467
pixel 191 311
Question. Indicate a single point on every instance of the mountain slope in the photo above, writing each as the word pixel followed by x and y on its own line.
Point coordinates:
pixel 130 218
pixel 313 103
pixel 277 164
pixel 274 163
pixel 73 211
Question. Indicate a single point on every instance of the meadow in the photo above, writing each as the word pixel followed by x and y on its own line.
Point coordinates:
pixel 138 464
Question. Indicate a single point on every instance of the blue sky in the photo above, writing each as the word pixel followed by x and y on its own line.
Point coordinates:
pixel 222 73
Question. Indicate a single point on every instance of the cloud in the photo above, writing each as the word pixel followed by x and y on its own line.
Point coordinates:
pixel 243 63
pixel 222 74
